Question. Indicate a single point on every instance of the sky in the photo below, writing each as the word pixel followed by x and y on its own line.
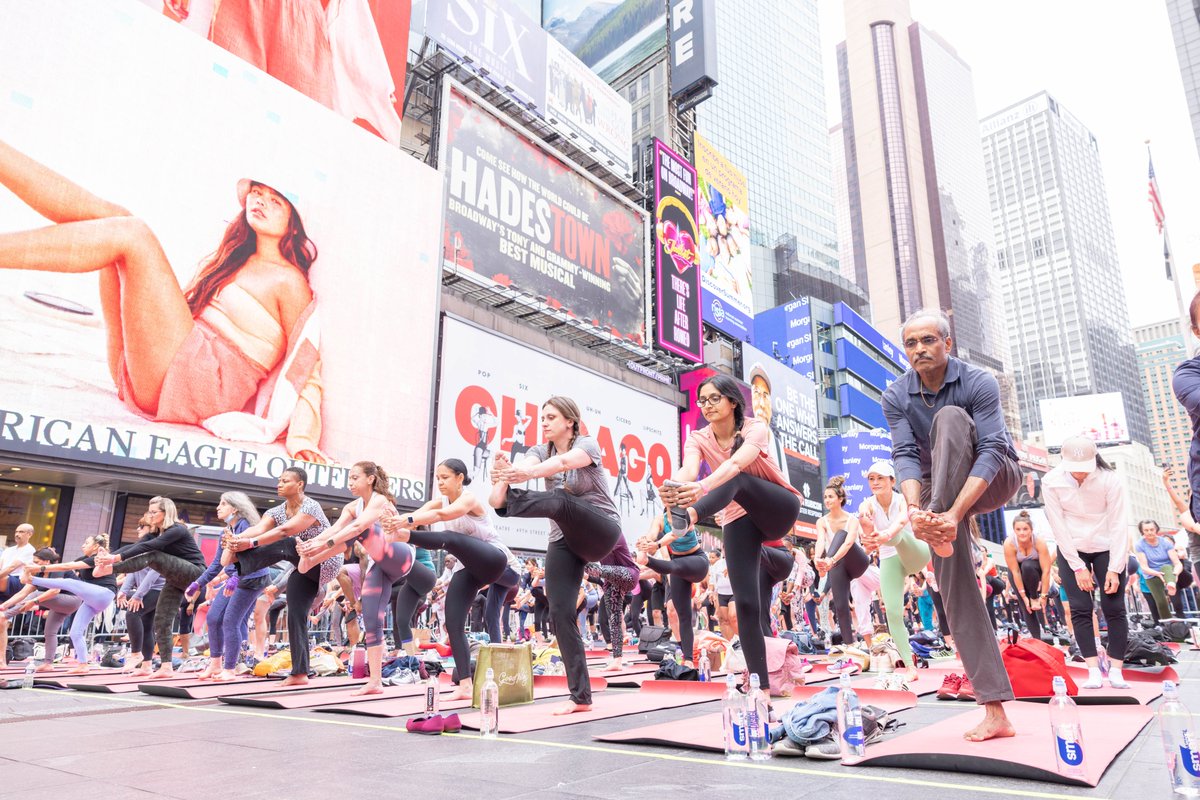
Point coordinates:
pixel 1113 66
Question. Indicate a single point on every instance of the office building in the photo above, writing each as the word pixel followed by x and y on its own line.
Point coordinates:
pixel 1160 347
pixel 1184 16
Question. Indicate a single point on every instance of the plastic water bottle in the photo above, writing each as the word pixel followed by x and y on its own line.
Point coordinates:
pixel 1068 737
pixel 1179 742
pixel 705 667
pixel 679 656
pixel 849 718
pixel 27 680
pixel 489 707
pixel 432 695
pixel 757 721
pixel 358 662
pixel 733 710
pixel 1102 662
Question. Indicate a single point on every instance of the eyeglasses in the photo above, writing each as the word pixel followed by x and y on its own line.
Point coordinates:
pixel 927 341
pixel 709 400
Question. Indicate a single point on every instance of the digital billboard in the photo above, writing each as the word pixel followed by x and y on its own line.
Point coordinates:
pixel 786 333
pixel 676 255
pixel 519 217
pixel 489 401
pixel 609 37
pixel 724 220
pixel 787 402
pixel 206 257
pixel 1100 417
pixel 851 455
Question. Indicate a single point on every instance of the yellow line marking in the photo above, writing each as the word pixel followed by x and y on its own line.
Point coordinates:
pixel 773 767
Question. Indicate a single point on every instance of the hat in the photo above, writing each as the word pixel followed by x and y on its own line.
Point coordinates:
pixel 280 186
pixel 759 371
pixel 1078 454
pixel 883 469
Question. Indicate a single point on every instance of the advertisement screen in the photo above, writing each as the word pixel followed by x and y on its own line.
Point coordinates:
pixel 724 220
pixel 519 217
pixel 690 419
pixel 348 55
pixel 676 256
pixel 786 333
pixel 490 399
pixel 787 402
pixel 1100 417
pixel 204 277
pixel 610 37
pixel 851 455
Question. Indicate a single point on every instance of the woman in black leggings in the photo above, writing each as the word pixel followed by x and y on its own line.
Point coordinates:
pixel 756 501
pixel 840 558
pixel 685 566
pixel 775 565
pixel 584 523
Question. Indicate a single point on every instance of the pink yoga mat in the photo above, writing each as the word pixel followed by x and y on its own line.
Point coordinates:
pixel 63 681
pixel 706 732
pixel 1107 730
pixel 134 684
pixel 543 687
pixel 324 697
pixel 205 690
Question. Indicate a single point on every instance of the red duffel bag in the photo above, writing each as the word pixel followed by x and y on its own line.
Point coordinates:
pixel 1032 665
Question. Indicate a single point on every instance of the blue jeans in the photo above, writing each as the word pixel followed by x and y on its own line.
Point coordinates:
pixel 228 619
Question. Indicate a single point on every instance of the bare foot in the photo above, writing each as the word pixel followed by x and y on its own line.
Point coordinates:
pixel 570 707
pixel 166 671
pixel 224 676
pixel 913 676
pixel 81 669
pixel 132 664
pixel 944 550
pixel 295 680
pixel 208 672
pixel 143 671
pixel 615 666
pixel 47 667
pixel 995 725
pixel 371 687
pixel 463 691
pixel 305 564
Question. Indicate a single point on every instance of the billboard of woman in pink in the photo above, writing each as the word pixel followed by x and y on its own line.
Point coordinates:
pixel 236 351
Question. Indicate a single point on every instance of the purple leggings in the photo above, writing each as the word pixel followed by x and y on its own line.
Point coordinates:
pixel 93 600
pixel 228 618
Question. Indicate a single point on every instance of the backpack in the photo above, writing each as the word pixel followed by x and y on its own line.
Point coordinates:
pixel 1032 665
pixel 784 666
pixel 21 649
pixel 651 634
pixel 1176 630
pixel 803 641
pixel 661 649
pixel 1144 651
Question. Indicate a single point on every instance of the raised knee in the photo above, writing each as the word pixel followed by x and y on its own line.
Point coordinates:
pixel 134 234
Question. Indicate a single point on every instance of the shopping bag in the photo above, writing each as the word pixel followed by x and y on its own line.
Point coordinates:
pixel 512 669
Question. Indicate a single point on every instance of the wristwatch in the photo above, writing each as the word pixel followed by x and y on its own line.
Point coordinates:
pixel 254 542
pixel 411 521
pixel 331 543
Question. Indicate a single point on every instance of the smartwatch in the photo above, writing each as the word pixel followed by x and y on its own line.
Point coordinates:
pixel 411 521
pixel 254 542
pixel 331 543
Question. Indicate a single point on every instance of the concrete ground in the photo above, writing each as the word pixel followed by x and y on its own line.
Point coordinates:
pixel 111 747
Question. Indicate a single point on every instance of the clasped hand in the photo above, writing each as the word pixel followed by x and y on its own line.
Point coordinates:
pixel 936 529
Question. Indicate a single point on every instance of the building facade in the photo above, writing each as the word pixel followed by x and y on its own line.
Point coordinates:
pixel 1184 16
pixel 1056 259
pixel 1160 347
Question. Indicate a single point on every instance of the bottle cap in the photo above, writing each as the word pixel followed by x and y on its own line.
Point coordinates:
pixel 844 679
pixel 731 680
pixel 490 674
pixel 1060 686
pixel 1168 686
pixel 755 683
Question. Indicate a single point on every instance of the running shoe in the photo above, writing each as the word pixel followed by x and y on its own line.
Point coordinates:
pixel 827 749
pixel 806 665
pixel 786 747
pixel 844 665
pixel 945 652
pixel 965 690
pixel 949 688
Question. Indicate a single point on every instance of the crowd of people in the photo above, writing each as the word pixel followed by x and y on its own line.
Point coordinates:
pixel 908 559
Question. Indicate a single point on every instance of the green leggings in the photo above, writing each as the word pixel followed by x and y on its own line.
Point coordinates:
pixel 1158 589
pixel 911 557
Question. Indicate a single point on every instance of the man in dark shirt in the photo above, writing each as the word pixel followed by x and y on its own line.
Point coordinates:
pixel 1186 385
pixel 954 459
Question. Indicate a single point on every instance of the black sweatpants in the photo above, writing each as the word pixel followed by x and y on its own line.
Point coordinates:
pixel 1111 605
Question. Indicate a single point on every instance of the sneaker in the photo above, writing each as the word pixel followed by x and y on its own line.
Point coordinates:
pixel 966 691
pixel 806 665
pixel 949 688
pixel 945 652
pixel 844 665
pixel 827 749
pixel 786 747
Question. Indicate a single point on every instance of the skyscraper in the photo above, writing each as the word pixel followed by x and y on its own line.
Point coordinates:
pixel 1056 258
pixel 920 225
pixel 1160 347
pixel 1185 28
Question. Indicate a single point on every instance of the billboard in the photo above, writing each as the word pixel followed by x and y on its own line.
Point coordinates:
pixel 1100 417
pixel 258 251
pixel 690 418
pixel 786 333
pixel 693 26
pixel 845 315
pixel 503 45
pixel 489 400
pixel 676 255
pixel 724 220
pixel 609 37
pixel 520 217
pixel 1041 525
pixel 348 55
pixel 787 402
pixel 852 454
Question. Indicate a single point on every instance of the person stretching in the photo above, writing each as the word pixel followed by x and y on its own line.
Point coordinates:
pixel 757 502
pixel 1029 562
pixel 618 574
pixel 58 604
pixel 686 566
pixel 839 555
pixel 95 593
pixel 584 523
pixel 483 560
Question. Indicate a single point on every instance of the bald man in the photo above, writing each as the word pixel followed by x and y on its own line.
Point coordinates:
pixel 20 553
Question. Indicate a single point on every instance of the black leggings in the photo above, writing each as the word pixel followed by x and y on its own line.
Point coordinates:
pixel 997 596
pixel 140 625
pixel 587 535
pixel 683 572
pixel 942 619
pixel 177 575
pixel 397 560
pixel 1111 605
pixel 851 566
pixel 302 590
pixel 775 564
pixel 482 564
pixel 639 602
pixel 277 607
pixel 407 598
pixel 771 511
pixel 1031 579
pixel 541 613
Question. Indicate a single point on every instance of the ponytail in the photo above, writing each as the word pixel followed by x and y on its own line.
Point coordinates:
pixel 380 483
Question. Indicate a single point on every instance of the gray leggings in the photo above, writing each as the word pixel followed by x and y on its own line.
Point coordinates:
pixel 177 576
pixel 60 607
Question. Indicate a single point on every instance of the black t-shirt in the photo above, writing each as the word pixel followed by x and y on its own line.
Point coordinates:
pixel 107 582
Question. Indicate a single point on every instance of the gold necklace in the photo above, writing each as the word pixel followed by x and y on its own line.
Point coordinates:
pixel 928 404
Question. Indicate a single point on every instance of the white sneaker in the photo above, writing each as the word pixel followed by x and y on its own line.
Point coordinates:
pixel 1095 680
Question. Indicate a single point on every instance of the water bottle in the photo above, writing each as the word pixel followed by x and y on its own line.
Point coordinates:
pixel 1068 738
pixel 705 667
pixel 669 657
pixel 1102 662
pixel 358 662
pixel 1183 760
pixel 849 718
pixel 489 707
pixel 27 681
pixel 679 656
pixel 757 721
pixel 733 711
pixel 432 696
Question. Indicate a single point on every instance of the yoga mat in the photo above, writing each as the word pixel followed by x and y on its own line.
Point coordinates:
pixel 634 681
pixel 1132 674
pixel 60 680
pixel 1029 755
pixel 324 697
pixel 543 687
pixel 205 690
pixel 653 696
pixel 133 685
pixel 707 732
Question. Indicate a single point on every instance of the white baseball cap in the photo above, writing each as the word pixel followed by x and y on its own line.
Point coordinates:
pixel 884 469
pixel 1079 454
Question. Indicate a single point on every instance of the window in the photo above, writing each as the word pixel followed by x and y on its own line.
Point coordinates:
pixel 37 505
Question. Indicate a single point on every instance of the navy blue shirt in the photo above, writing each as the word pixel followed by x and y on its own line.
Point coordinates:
pixel 910 417
pixel 1186 385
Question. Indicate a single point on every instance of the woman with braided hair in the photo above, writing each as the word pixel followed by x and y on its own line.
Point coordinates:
pixel 584 523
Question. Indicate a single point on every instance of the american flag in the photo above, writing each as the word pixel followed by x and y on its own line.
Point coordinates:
pixel 1155 201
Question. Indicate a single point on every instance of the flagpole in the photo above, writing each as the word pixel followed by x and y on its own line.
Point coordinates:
pixel 1185 322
